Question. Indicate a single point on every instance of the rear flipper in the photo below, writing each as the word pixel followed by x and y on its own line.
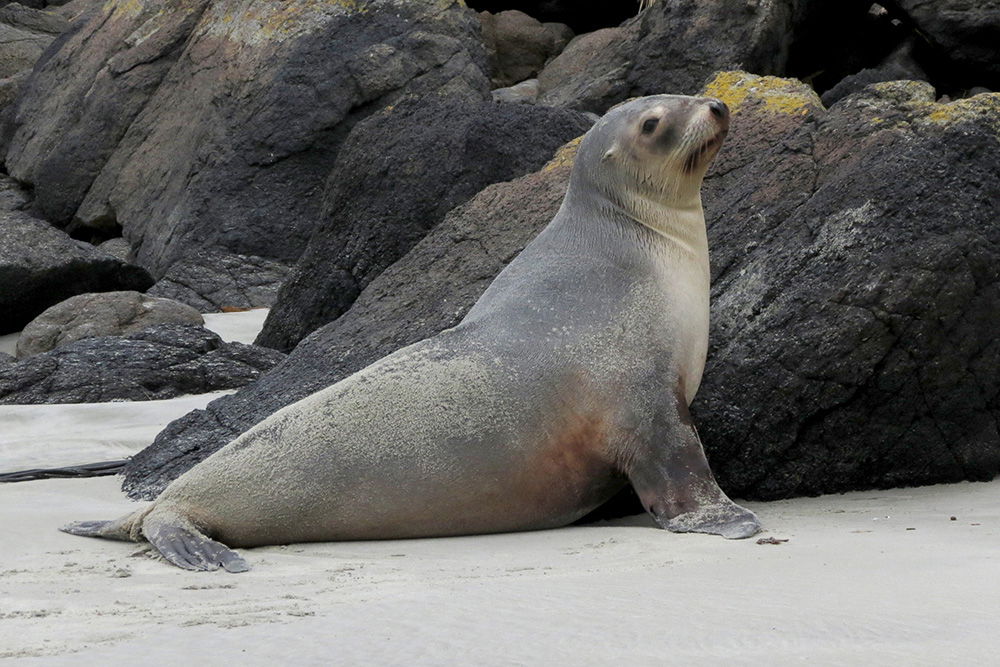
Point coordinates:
pixel 124 528
pixel 171 533
pixel 181 543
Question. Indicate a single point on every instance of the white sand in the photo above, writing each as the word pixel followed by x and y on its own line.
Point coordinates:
pixel 851 586
pixel 241 327
pixel 8 343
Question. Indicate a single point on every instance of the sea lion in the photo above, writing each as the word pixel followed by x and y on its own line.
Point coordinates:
pixel 569 378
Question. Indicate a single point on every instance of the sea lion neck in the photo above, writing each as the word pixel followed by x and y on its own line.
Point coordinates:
pixel 674 225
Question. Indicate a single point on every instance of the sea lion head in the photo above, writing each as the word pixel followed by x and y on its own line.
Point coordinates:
pixel 656 149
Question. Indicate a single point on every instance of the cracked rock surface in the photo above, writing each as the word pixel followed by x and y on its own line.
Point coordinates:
pixel 160 362
pixel 856 277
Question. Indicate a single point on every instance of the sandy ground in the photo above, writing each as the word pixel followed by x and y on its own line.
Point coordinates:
pixel 882 577
pixel 853 585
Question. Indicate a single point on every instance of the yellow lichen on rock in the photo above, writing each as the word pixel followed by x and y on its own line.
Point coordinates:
pixel 901 92
pixel 984 107
pixel 124 7
pixel 777 95
pixel 913 102
pixel 564 155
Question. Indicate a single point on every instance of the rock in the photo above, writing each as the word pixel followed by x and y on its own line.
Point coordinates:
pixel 426 157
pixel 214 281
pixel 163 361
pixel 670 47
pixel 959 36
pixel 579 16
pixel 41 266
pixel 519 46
pixel 525 92
pixel 6 359
pixel 204 124
pixel 856 272
pixel 100 314
pixel 12 196
pixel 24 34
pixel 116 247
pixel 430 289
pixel 897 67
pixel 10 87
pixel 589 75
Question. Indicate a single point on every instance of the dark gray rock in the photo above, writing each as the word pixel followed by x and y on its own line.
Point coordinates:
pixel 6 359
pixel 856 273
pixel 204 124
pixel 117 247
pixel 100 314
pixel 589 74
pixel 24 34
pixel 214 281
pixel 164 361
pixel 670 47
pixel 430 289
pixel 398 174
pixel 41 266
pixel 12 196
pixel 519 45
pixel 899 66
pixel 959 36
pixel 855 283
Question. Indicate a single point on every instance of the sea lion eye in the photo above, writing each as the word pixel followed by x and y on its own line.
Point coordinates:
pixel 649 125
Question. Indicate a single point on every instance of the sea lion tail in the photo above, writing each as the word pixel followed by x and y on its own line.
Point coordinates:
pixel 126 528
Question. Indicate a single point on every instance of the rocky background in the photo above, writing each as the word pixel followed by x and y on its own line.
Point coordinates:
pixel 365 167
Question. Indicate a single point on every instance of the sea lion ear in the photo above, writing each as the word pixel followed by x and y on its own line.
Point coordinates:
pixel 609 154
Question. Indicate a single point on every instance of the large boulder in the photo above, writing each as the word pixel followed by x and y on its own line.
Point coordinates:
pixel 196 124
pixel 855 281
pixel 163 361
pixel 100 314
pixel 398 174
pixel 856 277
pixel 41 266
pixel 430 289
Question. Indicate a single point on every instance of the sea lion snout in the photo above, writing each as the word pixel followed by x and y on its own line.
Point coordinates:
pixel 719 112
pixel 718 109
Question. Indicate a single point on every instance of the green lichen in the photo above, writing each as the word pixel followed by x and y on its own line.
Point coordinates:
pixel 776 95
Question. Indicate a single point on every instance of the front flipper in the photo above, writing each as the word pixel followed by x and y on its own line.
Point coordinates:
pixel 671 476
pixel 181 543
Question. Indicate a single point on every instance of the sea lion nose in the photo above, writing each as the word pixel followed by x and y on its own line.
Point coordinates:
pixel 718 109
